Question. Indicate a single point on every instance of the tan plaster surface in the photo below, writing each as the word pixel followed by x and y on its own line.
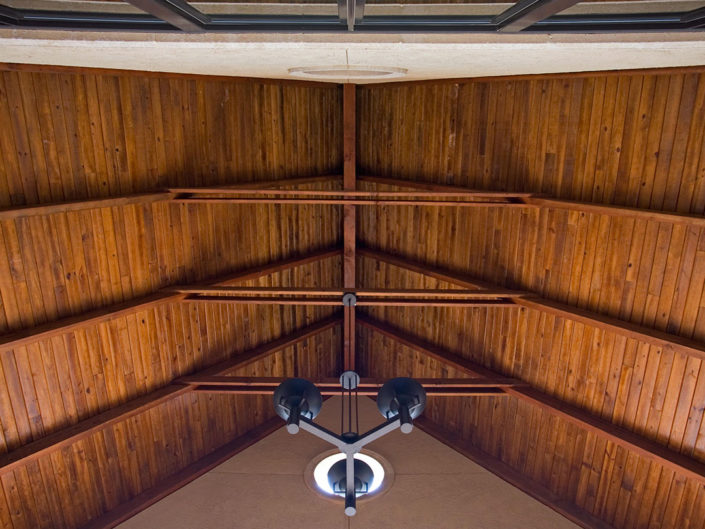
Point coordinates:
pixel 263 487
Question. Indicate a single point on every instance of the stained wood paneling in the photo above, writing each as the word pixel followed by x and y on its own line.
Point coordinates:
pixel 121 461
pixel 607 481
pixel 82 136
pixel 647 273
pixel 70 137
pixel 632 140
pixel 68 263
pixel 653 392
pixel 55 383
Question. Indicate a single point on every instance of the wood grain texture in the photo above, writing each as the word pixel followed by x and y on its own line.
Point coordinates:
pixel 498 432
pixel 95 136
pixel 525 299
pixel 624 139
pixel 510 475
pixel 171 427
pixel 632 140
pixel 84 428
pixel 185 476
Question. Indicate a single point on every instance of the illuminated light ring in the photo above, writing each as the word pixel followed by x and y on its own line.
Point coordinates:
pixel 320 473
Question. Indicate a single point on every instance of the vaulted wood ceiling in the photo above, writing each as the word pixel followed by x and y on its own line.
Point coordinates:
pixel 605 325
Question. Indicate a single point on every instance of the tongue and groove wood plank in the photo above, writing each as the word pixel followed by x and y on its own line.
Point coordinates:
pixel 623 139
pixel 64 263
pixel 632 145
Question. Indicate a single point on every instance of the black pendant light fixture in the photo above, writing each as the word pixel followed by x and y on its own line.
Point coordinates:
pixel 399 400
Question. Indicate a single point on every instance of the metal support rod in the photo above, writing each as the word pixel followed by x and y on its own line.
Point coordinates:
pixel 350 447
pixel 343 11
pixel 351 12
pixel 350 499
pixel 406 426
pixel 359 11
pixel 292 423
pixel 347 446
pixel 321 432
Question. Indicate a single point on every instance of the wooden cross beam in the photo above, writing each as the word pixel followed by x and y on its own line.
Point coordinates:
pixel 334 296
pixel 543 201
pixel 348 201
pixel 419 301
pixel 361 293
pixel 230 191
pixel 437 195
pixel 368 387
pixel 144 198
pixel 428 194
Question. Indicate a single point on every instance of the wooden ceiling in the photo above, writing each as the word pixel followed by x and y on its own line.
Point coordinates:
pixel 598 258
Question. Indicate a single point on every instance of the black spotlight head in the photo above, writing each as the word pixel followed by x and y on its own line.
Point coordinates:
pixel 363 477
pixel 299 396
pixel 401 396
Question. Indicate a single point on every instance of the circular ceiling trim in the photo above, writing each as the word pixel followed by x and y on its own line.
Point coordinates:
pixel 379 490
pixel 348 72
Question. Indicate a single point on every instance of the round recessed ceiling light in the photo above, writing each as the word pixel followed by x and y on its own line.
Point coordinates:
pixel 348 72
pixel 320 472
pixel 317 475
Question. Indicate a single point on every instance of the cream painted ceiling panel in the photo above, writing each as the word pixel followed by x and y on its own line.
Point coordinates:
pixel 263 487
pixel 421 56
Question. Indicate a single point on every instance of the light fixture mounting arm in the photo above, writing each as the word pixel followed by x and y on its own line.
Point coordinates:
pixel 350 447
pixel 346 445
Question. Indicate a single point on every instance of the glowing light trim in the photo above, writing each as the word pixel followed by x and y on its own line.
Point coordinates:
pixel 320 473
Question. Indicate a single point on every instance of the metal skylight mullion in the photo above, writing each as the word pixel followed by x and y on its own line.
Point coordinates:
pixel 695 18
pixel 178 13
pixel 527 12
pixel 169 14
pixel 9 16
pixel 351 12
pixel 608 23
pixel 87 21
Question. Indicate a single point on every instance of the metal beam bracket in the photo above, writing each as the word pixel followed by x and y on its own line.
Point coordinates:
pixel 349 299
